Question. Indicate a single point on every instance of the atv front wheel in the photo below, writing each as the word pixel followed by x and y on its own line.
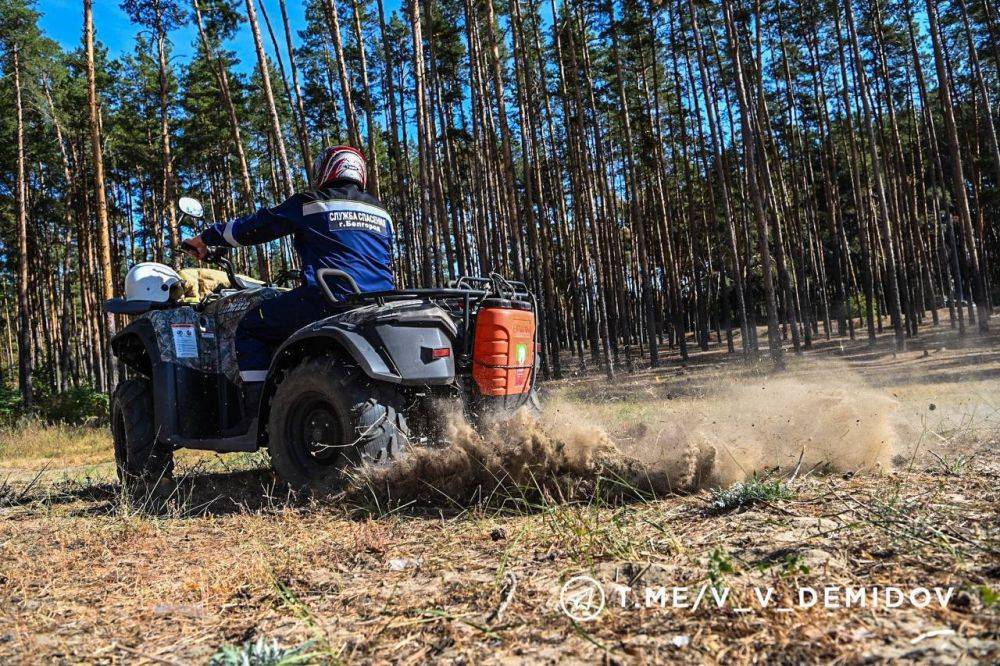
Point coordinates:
pixel 325 419
pixel 143 462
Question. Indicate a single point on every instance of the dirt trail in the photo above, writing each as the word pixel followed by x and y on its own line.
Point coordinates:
pixel 84 577
pixel 744 429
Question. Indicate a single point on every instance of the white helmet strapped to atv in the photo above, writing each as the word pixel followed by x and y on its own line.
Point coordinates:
pixel 150 281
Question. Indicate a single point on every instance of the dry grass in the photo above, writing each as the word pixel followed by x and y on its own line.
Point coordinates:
pixel 31 446
pixel 86 577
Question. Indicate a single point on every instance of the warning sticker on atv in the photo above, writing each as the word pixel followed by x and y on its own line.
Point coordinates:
pixel 185 340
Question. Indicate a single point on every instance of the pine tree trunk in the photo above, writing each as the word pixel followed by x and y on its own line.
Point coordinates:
pixel 24 364
pixel 100 203
pixel 891 282
pixel 720 169
pixel 423 142
pixel 300 111
pixel 750 159
pixel 373 177
pixel 333 19
pixel 167 187
pixel 272 111
pixel 961 200
pixel 299 130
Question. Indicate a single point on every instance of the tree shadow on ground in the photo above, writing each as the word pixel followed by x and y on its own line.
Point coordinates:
pixel 201 493
pixel 192 493
pixel 197 493
pixel 48 494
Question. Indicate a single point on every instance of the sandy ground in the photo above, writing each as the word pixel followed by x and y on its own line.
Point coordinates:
pixel 893 461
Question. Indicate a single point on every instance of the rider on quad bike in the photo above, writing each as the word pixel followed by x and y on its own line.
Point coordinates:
pixel 343 369
pixel 336 224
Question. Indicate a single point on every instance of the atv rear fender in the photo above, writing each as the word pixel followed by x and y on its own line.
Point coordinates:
pixel 410 350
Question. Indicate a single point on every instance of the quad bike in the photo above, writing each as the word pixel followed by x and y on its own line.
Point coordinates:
pixel 355 387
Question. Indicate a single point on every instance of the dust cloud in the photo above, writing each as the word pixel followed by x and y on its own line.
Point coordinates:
pixel 575 448
pixel 520 454
pixel 780 424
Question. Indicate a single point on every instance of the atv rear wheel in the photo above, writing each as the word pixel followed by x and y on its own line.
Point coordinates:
pixel 326 419
pixel 143 462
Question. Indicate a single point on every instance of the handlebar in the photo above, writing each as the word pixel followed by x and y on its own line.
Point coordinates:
pixel 220 258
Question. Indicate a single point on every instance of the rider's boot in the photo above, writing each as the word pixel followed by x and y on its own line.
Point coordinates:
pixel 252 392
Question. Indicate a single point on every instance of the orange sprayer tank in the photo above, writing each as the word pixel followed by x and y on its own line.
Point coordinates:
pixel 503 352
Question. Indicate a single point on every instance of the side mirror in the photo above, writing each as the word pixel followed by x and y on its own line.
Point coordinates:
pixel 191 207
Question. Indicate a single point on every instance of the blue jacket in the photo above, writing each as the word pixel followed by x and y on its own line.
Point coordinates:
pixel 340 227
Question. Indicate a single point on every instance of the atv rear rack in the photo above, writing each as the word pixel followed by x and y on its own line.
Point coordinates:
pixel 465 287
pixel 462 289
pixel 470 291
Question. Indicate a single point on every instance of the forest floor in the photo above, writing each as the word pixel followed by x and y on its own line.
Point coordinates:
pixel 877 475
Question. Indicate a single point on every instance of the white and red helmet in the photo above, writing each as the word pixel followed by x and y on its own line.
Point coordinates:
pixel 340 163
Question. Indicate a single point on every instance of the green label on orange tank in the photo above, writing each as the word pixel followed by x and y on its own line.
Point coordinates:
pixel 522 354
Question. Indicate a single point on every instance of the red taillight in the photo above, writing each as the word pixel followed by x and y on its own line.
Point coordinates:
pixel 443 352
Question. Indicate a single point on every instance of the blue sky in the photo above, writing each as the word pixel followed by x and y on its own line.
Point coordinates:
pixel 62 20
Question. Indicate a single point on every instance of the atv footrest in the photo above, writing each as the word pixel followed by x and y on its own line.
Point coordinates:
pixel 246 443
